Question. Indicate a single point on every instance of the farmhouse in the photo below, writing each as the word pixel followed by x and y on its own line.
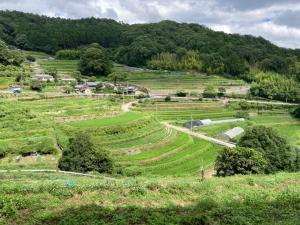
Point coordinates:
pixel 92 84
pixel 232 133
pixel 42 77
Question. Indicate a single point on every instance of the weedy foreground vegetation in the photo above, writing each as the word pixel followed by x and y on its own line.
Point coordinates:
pixel 46 198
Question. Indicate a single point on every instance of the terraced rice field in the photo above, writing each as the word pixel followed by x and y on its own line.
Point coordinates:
pixel 37 55
pixel 31 125
pixel 139 142
pixel 163 83
pixel 183 111
pixel 282 121
pixel 178 80
pixel 5 82
pixel 62 66
pixel 184 155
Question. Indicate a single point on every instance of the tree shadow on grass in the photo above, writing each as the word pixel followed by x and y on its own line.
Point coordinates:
pixel 93 214
pixel 284 209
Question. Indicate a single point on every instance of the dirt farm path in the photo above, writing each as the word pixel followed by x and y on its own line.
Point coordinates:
pixel 199 135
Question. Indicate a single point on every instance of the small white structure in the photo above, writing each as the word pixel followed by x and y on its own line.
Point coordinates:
pixel 198 123
pixel 68 80
pixel 207 122
pixel 232 133
pixel 42 77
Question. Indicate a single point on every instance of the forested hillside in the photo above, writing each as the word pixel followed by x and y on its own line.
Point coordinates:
pixel 160 46
pixel 137 44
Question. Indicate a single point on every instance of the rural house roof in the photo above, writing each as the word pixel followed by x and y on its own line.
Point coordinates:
pixel 234 132
pixel 92 84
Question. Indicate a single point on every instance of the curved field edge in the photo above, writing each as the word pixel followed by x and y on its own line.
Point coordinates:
pixel 47 198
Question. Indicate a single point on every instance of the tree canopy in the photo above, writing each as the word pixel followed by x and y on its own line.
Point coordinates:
pixel 95 61
pixel 177 44
pixel 240 161
pixel 276 150
pixel 10 56
pixel 83 156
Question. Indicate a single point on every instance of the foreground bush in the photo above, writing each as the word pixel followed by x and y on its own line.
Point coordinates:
pixel 239 161
pixel 37 86
pixel 296 113
pixel 181 93
pixel 210 92
pixel 276 150
pixel 82 156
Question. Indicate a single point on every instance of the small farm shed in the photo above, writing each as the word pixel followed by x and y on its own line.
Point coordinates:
pixel 92 84
pixel 232 133
pixel 197 123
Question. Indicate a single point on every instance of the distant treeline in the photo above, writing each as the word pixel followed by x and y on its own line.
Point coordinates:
pixel 164 45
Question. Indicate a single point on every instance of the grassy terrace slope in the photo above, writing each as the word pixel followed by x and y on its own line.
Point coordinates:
pixel 140 144
pixel 143 146
pixel 62 66
pixel 185 110
pixel 31 124
pixel 181 111
pixel 47 199
pixel 282 121
pixel 37 55
pixel 163 82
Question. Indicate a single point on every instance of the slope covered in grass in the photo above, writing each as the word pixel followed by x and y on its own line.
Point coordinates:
pixel 46 198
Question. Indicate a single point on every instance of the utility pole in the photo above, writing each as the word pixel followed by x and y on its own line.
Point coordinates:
pixel 156 111
pixel 191 122
pixel 123 97
pixel 202 170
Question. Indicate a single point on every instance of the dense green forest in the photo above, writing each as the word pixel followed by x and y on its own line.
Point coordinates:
pixel 164 46
pixel 139 43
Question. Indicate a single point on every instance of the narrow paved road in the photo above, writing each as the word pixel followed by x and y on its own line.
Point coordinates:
pixel 198 135
pixel 262 102
pixel 226 100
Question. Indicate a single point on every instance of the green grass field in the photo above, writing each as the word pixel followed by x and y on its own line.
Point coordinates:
pixel 31 125
pixel 185 110
pixel 157 169
pixel 182 111
pixel 164 82
pixel 283 122
pixel 125 118
pixel 48 198
pixel 5 82
pixel 37 55
pixel 62 66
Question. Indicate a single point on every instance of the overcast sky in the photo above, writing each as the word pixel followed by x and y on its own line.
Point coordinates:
pixel 275 20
